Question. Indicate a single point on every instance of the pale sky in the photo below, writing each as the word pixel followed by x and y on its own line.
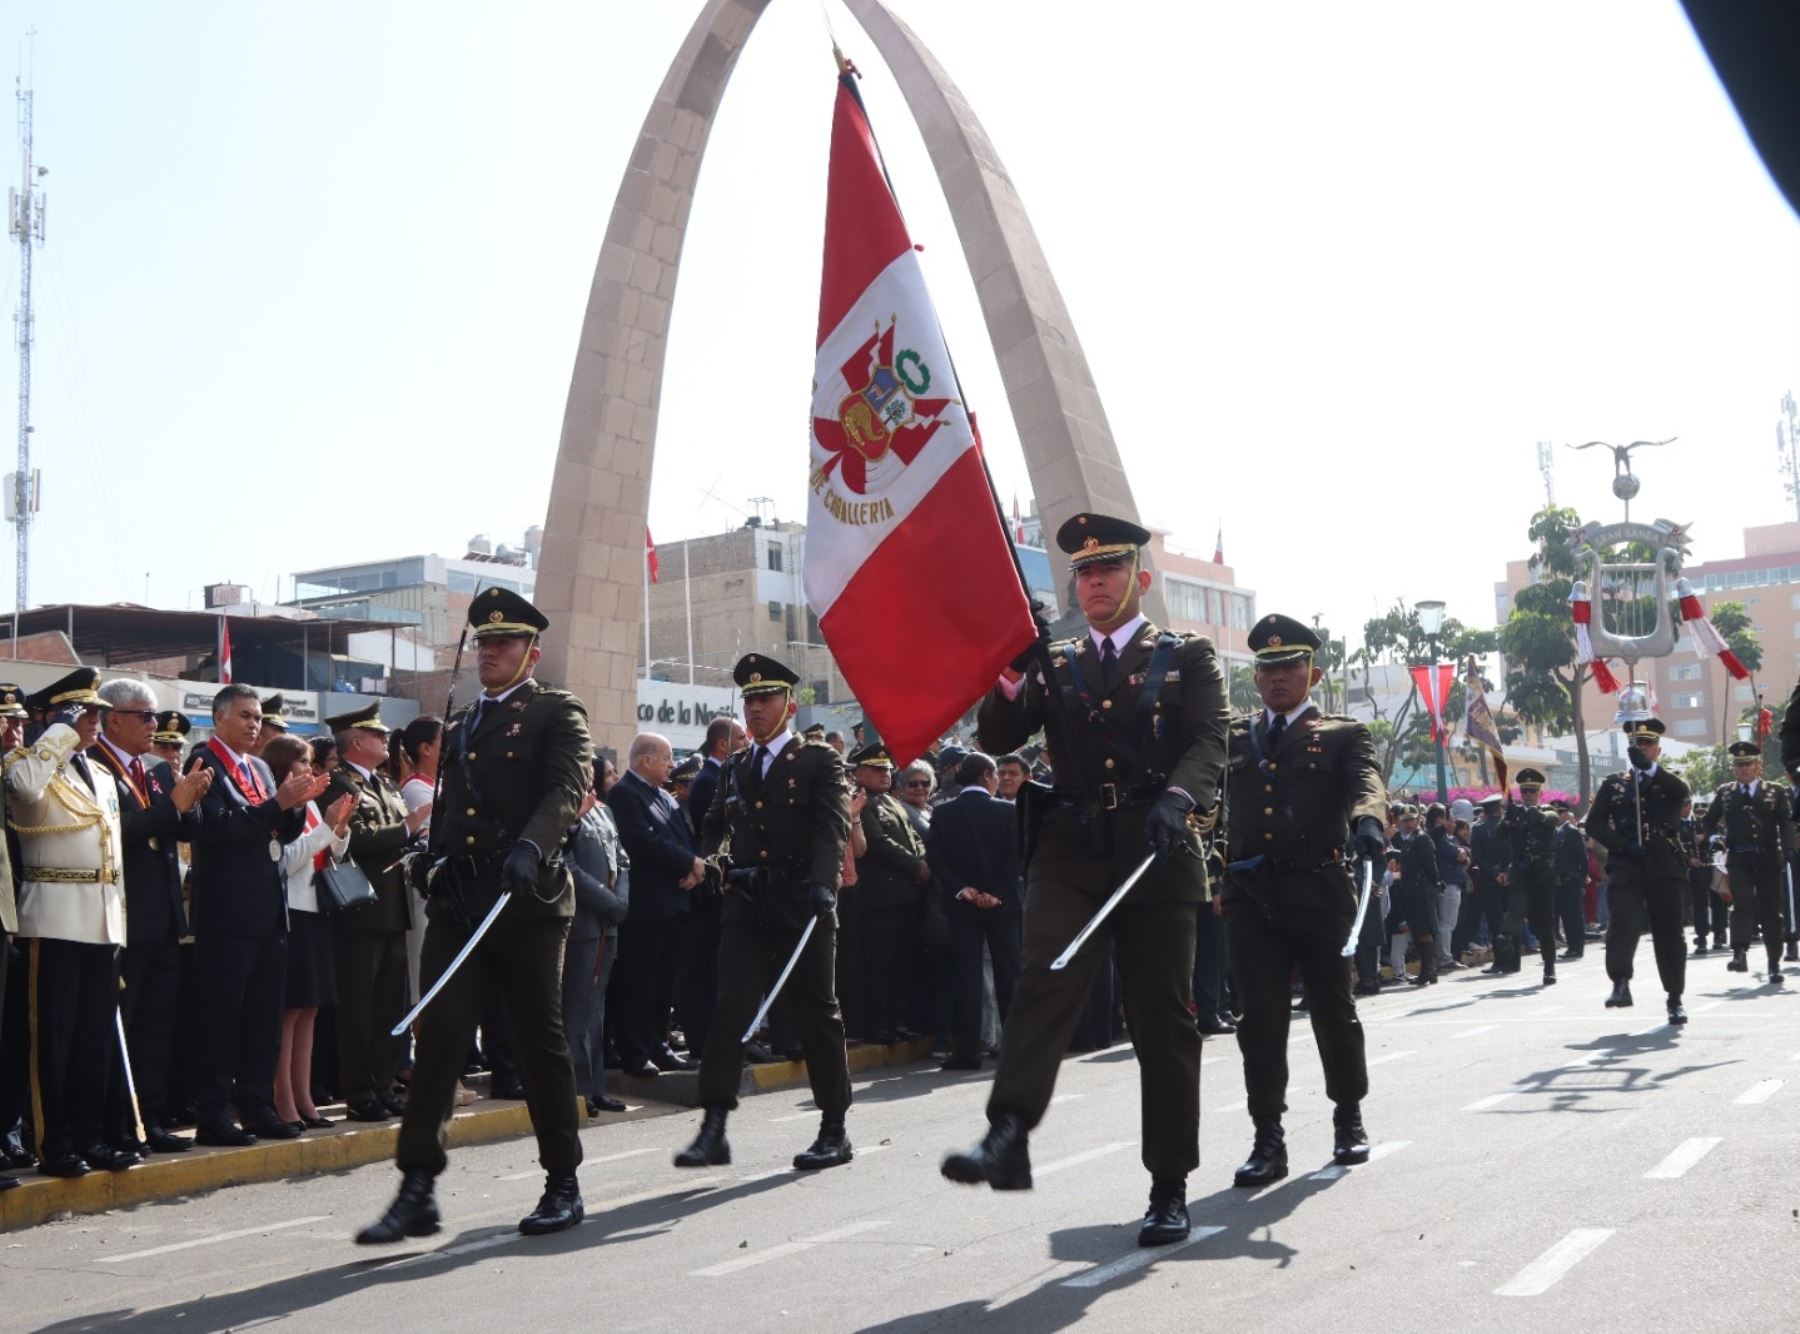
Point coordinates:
pixel 314 276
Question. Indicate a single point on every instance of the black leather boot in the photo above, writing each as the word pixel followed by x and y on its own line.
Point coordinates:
pixel 1166 1220
pixel 414 1213
pixel 1740 962
pixel 830 1149
pixel 1621 995
pixel 1268 1155
pixel 1677 1015
pixel 1550 969
pixel 1350 1142
pixel 1793 951
pixel 710 1148
pixel 1775 973
pixel 1002 1159
pixel 559 1207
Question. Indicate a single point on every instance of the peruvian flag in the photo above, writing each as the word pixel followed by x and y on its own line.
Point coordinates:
pixel 651 563
pixel 224 652
pixel 1433 683
pixel 1018 523
pixel 907 562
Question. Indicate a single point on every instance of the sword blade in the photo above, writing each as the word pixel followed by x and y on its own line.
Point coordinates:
pixel 443 977
pixel 1062 960
pixel 774 991
pixel 1362 908
pixel 137 1114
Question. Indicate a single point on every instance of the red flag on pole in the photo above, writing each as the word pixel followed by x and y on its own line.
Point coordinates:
pixel 1219 546
pixel 224 652
pixel 1018 523
pixel 907 561
pixel 1433 683
pixel 650 561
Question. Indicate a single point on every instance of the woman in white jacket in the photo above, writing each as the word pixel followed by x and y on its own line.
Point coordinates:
pixel 311 980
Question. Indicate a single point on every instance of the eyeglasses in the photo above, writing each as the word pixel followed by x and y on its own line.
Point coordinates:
pixel 143 716
pixel 918 782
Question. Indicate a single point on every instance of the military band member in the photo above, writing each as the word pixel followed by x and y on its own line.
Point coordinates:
pixel 1759 830
pixel 1529 830
pixel 515 766
pixel 1636 817
pixel 1135 718
pixel 1301 786
pixel 776 832
pixel 71 907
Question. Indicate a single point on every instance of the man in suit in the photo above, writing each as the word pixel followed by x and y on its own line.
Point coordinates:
pixel 698 990
pixel 1135 719
pixel 781 819
pixel 973 848
pixel 371 942
pixel 665 869
pixel 240 923
pixel 71 910
pixel 602 874
pixel 1302 786
pixel 157 811
pixel 890 879
pixel 515 765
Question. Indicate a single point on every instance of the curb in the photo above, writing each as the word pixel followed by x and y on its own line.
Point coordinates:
pixel 682 1087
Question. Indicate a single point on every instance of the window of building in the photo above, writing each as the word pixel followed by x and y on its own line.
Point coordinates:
pixel 1690 727
pixel 1688 700
pixel 775 611
pixel 821 692
pixel 774 557
pixel 1686 671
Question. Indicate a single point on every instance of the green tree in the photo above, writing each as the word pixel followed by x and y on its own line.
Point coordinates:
pixel 1543 679
pixel 1397 638
pixel 1705 767
pixel 1242 690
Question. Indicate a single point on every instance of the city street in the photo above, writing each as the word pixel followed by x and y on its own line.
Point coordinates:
pixel 1537 1159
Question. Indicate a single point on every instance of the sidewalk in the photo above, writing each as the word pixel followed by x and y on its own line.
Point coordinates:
pixel 348 1144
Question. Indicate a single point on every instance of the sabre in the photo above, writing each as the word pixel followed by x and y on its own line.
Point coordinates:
pixel 455 963
pixel 774 991
pixel 1062 960
pixel 1792 927
pixel 1362 908
pixel 137 1115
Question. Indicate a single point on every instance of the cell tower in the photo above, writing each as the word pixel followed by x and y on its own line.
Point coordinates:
pixel 25 218
pixel 1787 449
pixel 1547 466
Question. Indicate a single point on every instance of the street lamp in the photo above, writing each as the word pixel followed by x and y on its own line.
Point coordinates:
pixel 1431 622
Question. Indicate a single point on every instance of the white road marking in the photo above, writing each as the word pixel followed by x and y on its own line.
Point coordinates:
pixel 1758 1093
pixel 1707 1008
pixel 1390 1058
pixel 1137 1259
pixel 872 1148
pixel 1541 1274
pixel 1684 1157
pixel 1237 1106
pixel 1475 1032
pixel 786 1248
pixel 1087 1156
pixel 1492 1100
pixel 794 1116
pixel 591 1162
pixel 1376 1154
pixel 1070 1097
pixel 212 1240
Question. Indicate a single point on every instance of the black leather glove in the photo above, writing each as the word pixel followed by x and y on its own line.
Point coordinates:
pixel 1371 838
pixel 820 899
pixel 519 872
pixel 70 714
pixel 418 872
pixel 1638 759
pixel 1042 623
pixel 1165 828
pixel 1634 853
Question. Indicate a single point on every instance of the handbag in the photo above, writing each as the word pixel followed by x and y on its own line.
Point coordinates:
pixel 342 887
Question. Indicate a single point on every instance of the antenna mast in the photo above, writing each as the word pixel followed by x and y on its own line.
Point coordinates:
pixel 1787 448
pixel 1547 466
pixel 25 220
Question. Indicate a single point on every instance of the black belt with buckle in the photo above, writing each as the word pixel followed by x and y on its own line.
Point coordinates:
pixel 1111 796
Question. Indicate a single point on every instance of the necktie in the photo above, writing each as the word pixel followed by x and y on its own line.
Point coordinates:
pixel 80 762
pixel 1744 788
pixel 138 780
pixel 248 779
pixel 1109 659
pixel 475 717
pixel 1277 725
pixel 759 759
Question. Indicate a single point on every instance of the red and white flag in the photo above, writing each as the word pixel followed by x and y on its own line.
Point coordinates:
pixel 1219 546
pixel 1018 523
pixel 1433 684
pixel 907 562
pixel 224 652
pixel 1707 640
pixel 651 563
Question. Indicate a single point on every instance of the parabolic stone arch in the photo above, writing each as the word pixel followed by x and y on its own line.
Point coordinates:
pixel 592 561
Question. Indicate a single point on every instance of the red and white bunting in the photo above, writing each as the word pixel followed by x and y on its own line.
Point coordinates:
pixel 1707 640
pixel 1581 611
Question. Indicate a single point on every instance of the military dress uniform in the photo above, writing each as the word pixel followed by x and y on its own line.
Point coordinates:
pixel 372 979
pixel 1135 719
pixel 71 915
pixel 887 899
pixel 1647 878
pixel 776 832
pixel 1529 831
pixel 1297 788
pixel 1420 889
pixel 515 766
pixel 1758 820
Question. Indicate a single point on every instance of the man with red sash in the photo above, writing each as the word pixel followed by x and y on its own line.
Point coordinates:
pixel 240 923
pixel 157 812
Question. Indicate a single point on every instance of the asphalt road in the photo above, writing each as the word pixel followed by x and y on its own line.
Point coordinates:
pixel 1540 1162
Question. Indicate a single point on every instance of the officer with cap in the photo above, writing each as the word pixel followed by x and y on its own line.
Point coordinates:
pixel 1419 889
pixel 1488 858
pixel 515 766
pixel 1530 876
pixel 1759 829
pixel 13 716
pixel 1636 817
pixel 1301 787
pixel 890 881
pixel 1571 879
pixel 170 737
pixel 776 830
pixel 1135 718
pixel 274 724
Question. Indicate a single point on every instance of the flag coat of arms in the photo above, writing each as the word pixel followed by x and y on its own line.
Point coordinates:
pixel 907 562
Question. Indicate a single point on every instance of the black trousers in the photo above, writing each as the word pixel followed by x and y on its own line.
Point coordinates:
pixel 1569 911
pixel 752 952
pixel 1758 899
pixel 371 997
pixel 1533 902
pixel 1711 913
pixel 522 959
pixel 15 1038
pixel 1209 962
pixel 1298 919
pixel 1631 901
pixel 1493 906
pixel 1468 918
pixel 243 988
pixel 152 975
pixel 970 929
pixel 74 989
pixel 887 940
pixel 697 990
pixel 649 959
pixel 584 1011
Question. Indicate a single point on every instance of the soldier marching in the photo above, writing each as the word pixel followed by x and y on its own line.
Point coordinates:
pixel 1758 821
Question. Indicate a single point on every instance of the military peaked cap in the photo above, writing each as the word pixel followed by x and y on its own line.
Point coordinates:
pixel 271 709
pixel 1090 538
pixel 78 687
pixel 368 717
pixel 1530 778
pixel 1277 638
pixel 759 674
pixel 172 727
pixel 12 701
pixel 1745 750
pixel 875 755
pixel 494 612
pixel 1650 729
